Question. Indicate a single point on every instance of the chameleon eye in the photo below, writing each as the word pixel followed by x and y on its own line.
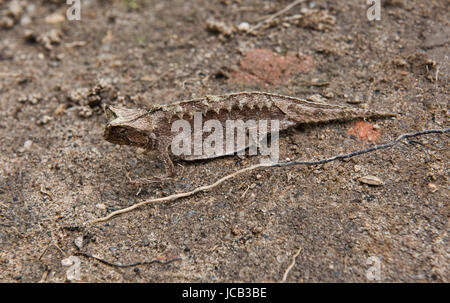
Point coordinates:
pixel 110 115
pixel 122 131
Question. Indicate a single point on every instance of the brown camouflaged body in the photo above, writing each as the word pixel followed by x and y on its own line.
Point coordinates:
pixel 151 129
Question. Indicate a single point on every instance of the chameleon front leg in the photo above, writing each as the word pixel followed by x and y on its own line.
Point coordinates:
pixel 164 157
pixel 162 148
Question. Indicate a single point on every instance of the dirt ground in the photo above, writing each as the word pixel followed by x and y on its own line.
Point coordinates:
pixel 57 171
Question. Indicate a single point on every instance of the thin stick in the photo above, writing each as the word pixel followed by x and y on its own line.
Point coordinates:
pixel 89 256
pixel 271 17
pixel 176 196
pixel 365 151
pixel 280 164
pixel 291 265
pixel 6 75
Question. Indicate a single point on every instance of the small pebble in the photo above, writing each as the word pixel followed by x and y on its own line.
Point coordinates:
pixel 55 18
pixel 85 112
pixel 100 206
pixel 27 144
pixel 219 27
pixel 44 120
pixel 25 20
pixel 74 271
pixel 22 99
pixel 371 180
pixel 15 9
pixel 35 98
pixel 78 242
pixel 400 62
pixel 433 188
pixel 244 27
pixel 257 230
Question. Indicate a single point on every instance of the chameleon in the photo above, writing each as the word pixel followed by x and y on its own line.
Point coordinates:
pixel 151 128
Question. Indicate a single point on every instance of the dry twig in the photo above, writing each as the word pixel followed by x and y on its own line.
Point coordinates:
pixel 89 256
pixel 271 17
pixel 291 265
pixel 7 75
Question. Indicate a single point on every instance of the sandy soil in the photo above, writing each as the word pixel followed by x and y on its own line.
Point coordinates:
pixel 57 172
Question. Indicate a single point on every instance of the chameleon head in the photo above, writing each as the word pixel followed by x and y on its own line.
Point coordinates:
pixel 127 127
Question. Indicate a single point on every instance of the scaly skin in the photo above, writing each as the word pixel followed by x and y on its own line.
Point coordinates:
pixel 151 129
